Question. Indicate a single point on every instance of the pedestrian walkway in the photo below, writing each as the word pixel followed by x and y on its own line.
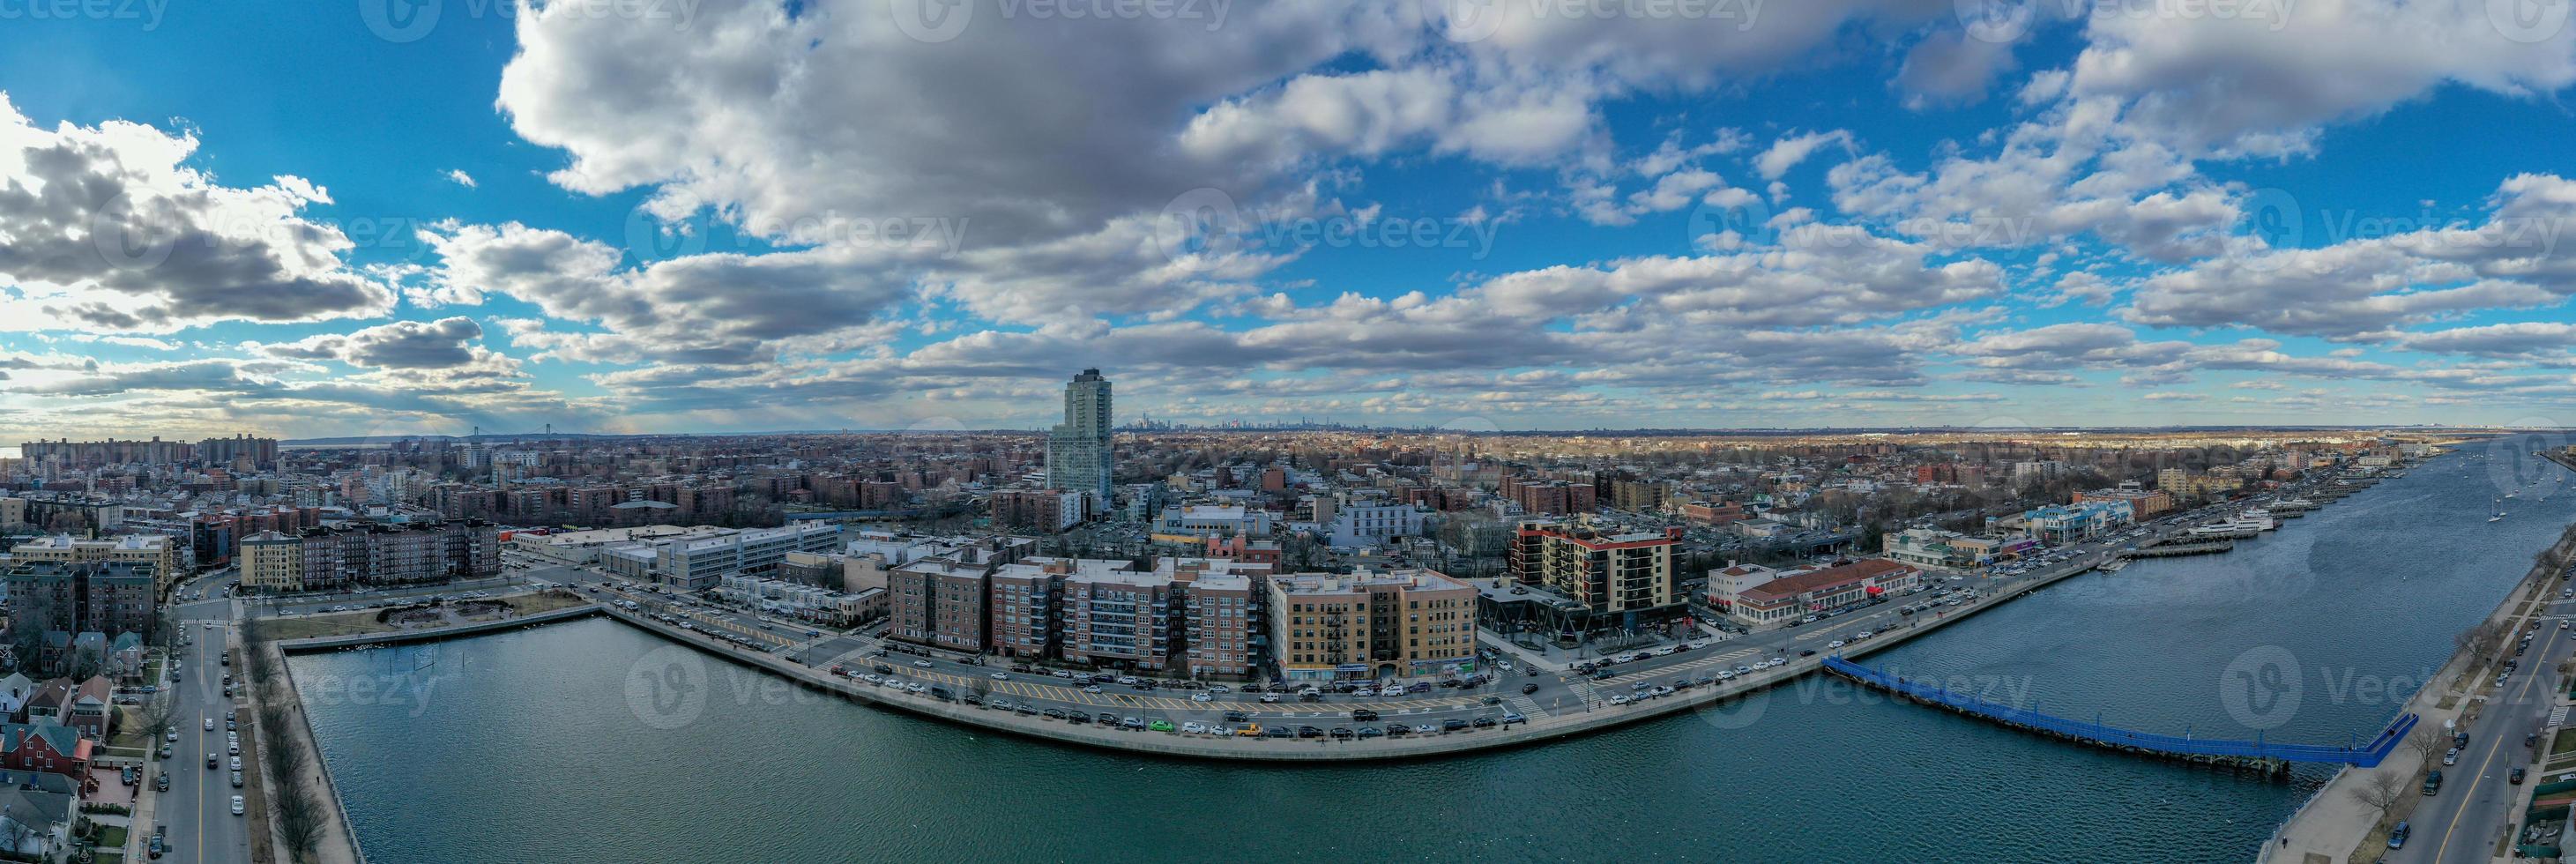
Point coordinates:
pixel 2368 755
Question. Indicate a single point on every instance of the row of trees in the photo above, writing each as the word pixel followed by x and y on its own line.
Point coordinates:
pixel 300 812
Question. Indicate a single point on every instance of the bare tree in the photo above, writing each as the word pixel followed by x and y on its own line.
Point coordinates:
pixel 2478 639
pixel 2423 743
pixel 2382 790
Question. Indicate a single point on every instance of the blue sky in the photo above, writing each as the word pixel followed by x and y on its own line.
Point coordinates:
pixel 396 216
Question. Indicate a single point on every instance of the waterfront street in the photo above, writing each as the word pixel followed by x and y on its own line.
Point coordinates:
pixel 197 810
pixel 2477 803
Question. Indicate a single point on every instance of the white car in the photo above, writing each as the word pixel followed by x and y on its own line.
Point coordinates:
pixel 1621 699
pixel 1835 644
pixel 210 724
pixel 925 664
pixel 1095 688
pixel 1001 676
pixel 1201 697
pixel 1193 727
pixel 871 677
pixel 237 800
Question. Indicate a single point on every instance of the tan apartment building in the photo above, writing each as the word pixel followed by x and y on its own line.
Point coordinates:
pixel 1409 623
pixel 272 562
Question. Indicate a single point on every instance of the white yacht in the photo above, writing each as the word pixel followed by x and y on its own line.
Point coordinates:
pixel 2250 520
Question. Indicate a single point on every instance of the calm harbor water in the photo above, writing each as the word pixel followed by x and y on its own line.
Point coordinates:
pixel 535 745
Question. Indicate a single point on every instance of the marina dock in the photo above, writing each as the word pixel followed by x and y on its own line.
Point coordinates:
pixel 2177 550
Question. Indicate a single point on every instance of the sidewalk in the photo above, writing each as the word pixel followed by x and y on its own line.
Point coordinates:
pixel 1522 655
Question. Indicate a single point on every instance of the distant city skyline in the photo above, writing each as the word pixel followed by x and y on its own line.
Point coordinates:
pixel 1841 213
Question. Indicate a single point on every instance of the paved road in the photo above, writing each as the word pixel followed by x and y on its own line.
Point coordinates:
pixel 2462 823
pixel 198 808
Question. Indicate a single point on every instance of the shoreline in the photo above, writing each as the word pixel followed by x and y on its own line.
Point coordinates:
pixel 1536 731
pixel 2337 791
pixel 432 634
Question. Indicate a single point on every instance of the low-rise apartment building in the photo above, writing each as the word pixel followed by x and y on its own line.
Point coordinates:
pixel 371 553
pixel 1368 625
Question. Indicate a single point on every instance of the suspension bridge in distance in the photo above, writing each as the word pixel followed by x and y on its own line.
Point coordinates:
pixel 2256 755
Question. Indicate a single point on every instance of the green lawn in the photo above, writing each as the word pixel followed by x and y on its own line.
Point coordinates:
pixel 111 837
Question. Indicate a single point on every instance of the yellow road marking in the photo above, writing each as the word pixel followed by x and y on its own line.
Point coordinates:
pixel 2480 775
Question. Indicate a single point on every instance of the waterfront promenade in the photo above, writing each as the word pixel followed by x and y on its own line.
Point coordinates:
pixel 2335 824
pixel 1597 713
